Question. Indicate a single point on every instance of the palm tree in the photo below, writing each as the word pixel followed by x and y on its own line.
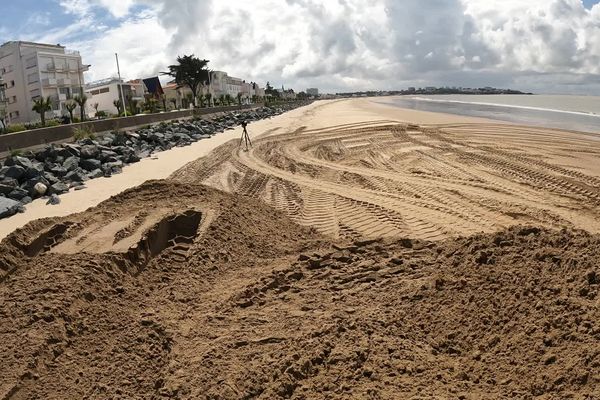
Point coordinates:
pixel 133 105
pixel 239 98
pixel 41 106
pixel 118 105
pixel 191 72
pixel 81 100
pixel 208 96
pixel 201 98
pixel 152 105
pixel 174 101
pixel 222 100
pixel 95 107
pixel 70 105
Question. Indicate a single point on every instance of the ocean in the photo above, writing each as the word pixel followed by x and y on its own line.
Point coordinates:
pixel 579 113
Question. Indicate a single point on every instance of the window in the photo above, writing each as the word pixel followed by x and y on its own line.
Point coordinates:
pixel 13 99
pixel 33 78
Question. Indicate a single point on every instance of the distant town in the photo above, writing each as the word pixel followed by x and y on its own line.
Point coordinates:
pixel 433 90
pixel 44 85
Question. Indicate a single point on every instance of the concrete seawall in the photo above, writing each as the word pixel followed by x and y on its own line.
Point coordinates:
pixel 36 137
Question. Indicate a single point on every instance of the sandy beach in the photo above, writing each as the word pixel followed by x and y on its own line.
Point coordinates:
pixel 357 250
pixel 317 115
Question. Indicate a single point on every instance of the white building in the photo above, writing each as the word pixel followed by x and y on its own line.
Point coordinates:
pixel 312 92
pixel 2 104
pixel 104 93
pixel 34 70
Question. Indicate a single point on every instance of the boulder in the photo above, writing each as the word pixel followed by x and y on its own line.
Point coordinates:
pixel 18 194
pixel 53 200
pixel 71 163
pixel 7 185
pixel 76 176
pixel 108 156
pixel 26 200
pixel 36 169
pixel 58 170
pixel 30 186
pixel 89 151
pixel 50 178
pixel 90 164
pixel 13 171
pixel 40 188
pixel 9 207
pixel 19 161
pixel 97 173
pixel 58 188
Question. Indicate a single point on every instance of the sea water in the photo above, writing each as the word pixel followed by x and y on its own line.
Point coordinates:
pixel 579 113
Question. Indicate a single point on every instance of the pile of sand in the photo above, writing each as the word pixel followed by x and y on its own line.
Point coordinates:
pixel 194 293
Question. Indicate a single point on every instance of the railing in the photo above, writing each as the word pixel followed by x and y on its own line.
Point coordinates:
pixel 49 82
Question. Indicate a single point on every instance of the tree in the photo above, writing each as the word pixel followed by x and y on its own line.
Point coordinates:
pixel 70 105
pixel 163 99
pixel 190 71
pixel 269 90
pixel 201 99
pixel 95 107
pixel 133 105
pixel 152 105
pixel 81 100
pixel 228 99
pixel 222 100
pixel 208 97
pixel 41 106
pixel 119 106
pixel 239 98
pixel 174 101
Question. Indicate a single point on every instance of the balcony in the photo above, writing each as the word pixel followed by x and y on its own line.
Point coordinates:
pixel 62 97
pixel 63 81
pixel 49 82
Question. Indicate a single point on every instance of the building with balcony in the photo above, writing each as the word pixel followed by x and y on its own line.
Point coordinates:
pixel 33 70
pixel 3 102
pixel 104 93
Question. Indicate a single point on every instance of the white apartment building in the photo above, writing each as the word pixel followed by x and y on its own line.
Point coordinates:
pixel 104 92
pixel 34 70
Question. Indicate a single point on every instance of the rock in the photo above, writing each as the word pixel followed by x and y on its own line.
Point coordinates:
pixel 90 164
pixel 26 200
pixel 76 176
pixel 58 170
pixel 13 171
pixel 9 207
pixel 19 161
pixel 89 151
pixel 97 173
pixel 58 188
pixel 71 163
pixel 18 194
pixel 30 185
pixel 80 187
pixel 36 169
pixel 50 178
pixel 53 200
pixel 7 185
pixel 40 188
pixel 108 156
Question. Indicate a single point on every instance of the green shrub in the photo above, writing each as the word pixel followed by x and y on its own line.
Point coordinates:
pixel 15 128
pixel 101 114
pixel 16 152
pixel 82 132
pixel 52 122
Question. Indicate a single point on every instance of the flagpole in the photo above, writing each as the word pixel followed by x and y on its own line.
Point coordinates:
pixel 121 85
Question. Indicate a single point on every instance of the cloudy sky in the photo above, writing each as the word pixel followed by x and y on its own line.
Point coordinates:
pixel 547 46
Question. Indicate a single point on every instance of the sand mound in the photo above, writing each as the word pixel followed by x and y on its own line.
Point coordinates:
pixel 194 293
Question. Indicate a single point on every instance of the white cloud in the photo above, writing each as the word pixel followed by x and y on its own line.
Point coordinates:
pixel 340 44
